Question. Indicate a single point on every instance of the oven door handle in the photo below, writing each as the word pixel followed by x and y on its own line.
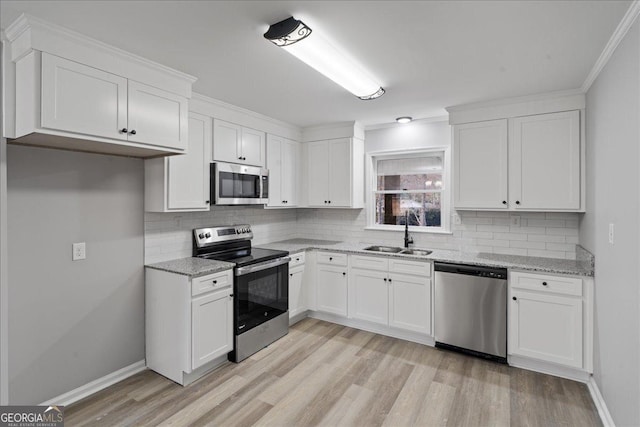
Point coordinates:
pixel 262 266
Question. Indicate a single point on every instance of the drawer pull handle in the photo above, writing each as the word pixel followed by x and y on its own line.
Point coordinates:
pixel 544 283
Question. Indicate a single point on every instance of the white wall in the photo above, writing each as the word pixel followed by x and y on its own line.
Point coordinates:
pixel 72 322
pixel 539 234
pixel 613 196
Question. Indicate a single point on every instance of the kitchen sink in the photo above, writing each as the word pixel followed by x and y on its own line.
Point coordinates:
pixel 386 249
pixel 420 252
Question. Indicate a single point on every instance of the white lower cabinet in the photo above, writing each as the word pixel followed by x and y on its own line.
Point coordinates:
pixel 410 303
pixel 297 292
pixel 391 292
pixel 208 341
pixel 188 321
pixel 331 283
pixel 547 319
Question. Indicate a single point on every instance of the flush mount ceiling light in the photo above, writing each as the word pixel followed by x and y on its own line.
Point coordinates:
pixel 405 119
pixel 297 39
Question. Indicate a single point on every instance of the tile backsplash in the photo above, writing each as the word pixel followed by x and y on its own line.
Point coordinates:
pixel 551 235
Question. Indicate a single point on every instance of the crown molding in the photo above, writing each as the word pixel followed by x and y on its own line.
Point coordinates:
pixel 618 35
pixel 26 22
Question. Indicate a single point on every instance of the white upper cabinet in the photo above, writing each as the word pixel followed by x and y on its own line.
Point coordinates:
pixel 157 117
pixel 65 90
pixel 283 158
pixel 237 144
pixel 544 161
pixel 520 154
pixel 335 170
pixel 181 183
pixel 480 165
pixel 81 99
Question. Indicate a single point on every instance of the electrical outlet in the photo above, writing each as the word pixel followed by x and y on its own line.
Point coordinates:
pixel 456 219
pixel 79 251
pixel 515 221
pixel 611 229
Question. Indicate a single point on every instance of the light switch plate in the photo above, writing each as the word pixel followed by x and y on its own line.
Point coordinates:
pixel 611 230
pixel 456 219
pixel 515 221
pixel 79 251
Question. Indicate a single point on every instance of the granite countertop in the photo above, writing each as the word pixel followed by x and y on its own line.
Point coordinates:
pixel 192 267
pixel 546 265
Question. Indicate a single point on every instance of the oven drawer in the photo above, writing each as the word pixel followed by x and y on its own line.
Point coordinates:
pixel 210 282
pixel 332 258
pixel 296 259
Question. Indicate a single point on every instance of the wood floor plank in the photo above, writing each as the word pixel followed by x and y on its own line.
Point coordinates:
pixel 322 374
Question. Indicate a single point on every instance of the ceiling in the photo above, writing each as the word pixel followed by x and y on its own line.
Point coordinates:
pixel 426 54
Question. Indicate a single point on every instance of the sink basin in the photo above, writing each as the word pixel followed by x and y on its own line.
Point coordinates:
pixel 420 252
pixel 387 249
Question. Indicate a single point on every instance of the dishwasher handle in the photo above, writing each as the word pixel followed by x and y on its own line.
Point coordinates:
pixel 471 270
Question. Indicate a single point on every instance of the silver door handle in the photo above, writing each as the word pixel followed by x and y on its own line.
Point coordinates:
pixel 262 266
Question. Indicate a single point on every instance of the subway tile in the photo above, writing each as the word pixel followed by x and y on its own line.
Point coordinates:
pixel 498 228
pixel 477 234
pixel 510 251
pixel 510 236
pixel 545 253
pixel 492 242
pixel 545 222
pixel 546 238
pixel 562 231
pixel 525 244
pixel 528 230
pixel 566 247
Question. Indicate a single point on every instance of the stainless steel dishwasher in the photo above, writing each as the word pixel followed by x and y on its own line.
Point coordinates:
pixel 471 310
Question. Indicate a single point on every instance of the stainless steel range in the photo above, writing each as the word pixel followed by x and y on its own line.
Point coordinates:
pixel 260 287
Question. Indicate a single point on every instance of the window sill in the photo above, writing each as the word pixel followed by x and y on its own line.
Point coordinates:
pixel 411 229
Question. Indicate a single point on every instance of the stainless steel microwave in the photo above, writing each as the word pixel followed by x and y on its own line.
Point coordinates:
pixel 233 184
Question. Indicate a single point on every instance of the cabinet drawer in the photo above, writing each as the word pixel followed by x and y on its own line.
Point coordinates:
pixel 296 259
pixel 210 282
pixel 332 258
pixel 541 282
pixel 370 263
pixel 403 266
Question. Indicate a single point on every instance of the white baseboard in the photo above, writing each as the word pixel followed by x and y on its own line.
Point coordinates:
pixel 601 406
pixel 549 368
pixel 96 385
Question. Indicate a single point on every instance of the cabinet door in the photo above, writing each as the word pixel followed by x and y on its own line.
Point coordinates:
pixel 290 176
pixel 318 170
pixel 340 172
pixel 369 296
pixel 480 165
pixel 226 142
pixel 157 117
pixel 81 99
pixel 297 296
pixel 211 327
pixel 252 147
pixel 544 161
pixel 188 174
pixel 546 327
pixel 276 175
pixel 332 289
pixel 410 303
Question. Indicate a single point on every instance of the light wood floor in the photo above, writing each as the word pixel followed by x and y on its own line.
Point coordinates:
pixel 331 375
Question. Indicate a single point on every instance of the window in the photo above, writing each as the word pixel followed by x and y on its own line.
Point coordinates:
pixel 410 187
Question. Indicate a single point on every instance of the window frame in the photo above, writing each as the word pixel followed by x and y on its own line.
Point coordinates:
pixel 371 186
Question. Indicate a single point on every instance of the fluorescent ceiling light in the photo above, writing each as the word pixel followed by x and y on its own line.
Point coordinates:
pixel 405 119
pixel 312 49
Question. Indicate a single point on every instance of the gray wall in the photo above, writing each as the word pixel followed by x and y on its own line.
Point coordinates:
pixel 613 196
pixel 72 322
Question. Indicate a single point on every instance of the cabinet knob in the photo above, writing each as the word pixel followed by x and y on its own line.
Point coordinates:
pixel 207 202
pixel 504 202
pixel 515 299
pixel 544 283
pixel 330 259
pixel 215 281
pixel 329 201
pixel 325 201
pixel 385 279
pixel 239 158
pixel 389 279
pixel 133 132
pixel 297 259
pixel 123 130
pixel 291 274
pixel 517 202
pixel 344 274
pixel 231 295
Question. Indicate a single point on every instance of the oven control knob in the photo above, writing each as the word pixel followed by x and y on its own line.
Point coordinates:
pixel 248 230
pixel 201 236
pixel 245 230
pixel 207 235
